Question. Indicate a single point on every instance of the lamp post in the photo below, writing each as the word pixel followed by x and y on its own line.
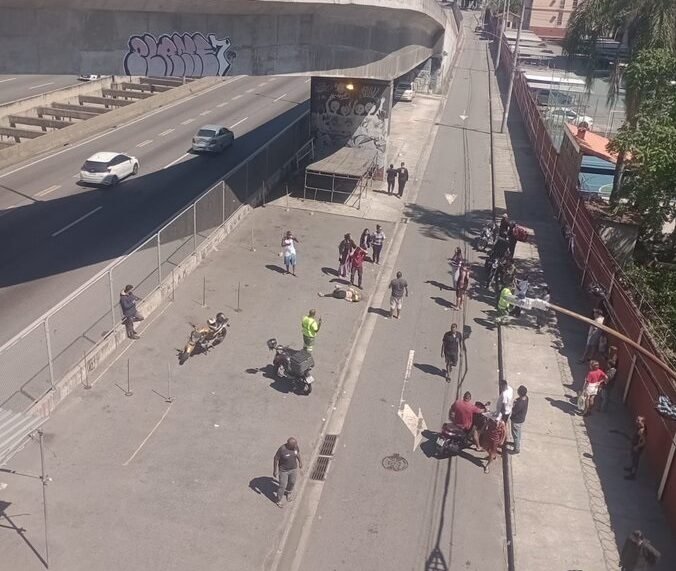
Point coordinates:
pixel 515 61
pixel 505 11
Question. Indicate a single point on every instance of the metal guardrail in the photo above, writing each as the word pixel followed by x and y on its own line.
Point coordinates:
pixel 33 361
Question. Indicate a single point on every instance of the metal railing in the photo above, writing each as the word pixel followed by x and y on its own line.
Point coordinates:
pixel 33 361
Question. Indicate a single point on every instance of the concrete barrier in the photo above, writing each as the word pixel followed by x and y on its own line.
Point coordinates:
pixel 75 133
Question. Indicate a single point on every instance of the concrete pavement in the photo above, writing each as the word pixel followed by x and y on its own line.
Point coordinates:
pixel 572 507
pixel 15 87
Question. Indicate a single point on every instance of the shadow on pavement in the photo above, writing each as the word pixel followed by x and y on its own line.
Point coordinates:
pixel 265 486
pixel 565 406
pixel 275 268
pixel 21 532
pixel 379 311
pixel 443 302
pixel 430 369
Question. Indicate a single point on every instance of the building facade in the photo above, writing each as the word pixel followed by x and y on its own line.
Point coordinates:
pixel 549 18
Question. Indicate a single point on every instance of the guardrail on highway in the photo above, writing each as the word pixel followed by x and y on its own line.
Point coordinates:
pixel 32 362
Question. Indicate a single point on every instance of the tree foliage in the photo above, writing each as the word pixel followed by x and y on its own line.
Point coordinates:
pixel 649 142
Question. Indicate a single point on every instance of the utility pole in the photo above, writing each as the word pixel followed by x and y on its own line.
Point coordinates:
pixel 515 62
pixel 505 11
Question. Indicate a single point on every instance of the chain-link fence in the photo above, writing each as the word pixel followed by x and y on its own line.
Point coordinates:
pixel 35 360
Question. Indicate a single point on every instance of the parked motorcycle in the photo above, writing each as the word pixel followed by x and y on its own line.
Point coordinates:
pixel 486 238
pixel 201 339
pixel 293 366
pixel 453 439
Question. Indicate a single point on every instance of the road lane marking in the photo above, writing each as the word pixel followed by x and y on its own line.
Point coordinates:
pixel 172 163
pixel 42 85
pixel 407 376
pixel 8 79
pixel 250 90
pixel 163 133
pixel 166 412
pixel 49 190
pixel 236 97
pixel 187 121
pixel 203 113
pixel 282 95
pixel 272 79
pixel 69 226
pixel 123 126
pixel 13 206
pixel 144 143
pixel 238 123
pixel 222 104
pixel 450 198
pixel 262 84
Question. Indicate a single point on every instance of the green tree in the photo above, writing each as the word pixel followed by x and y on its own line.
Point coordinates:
pixel 638 24
pixel 649 141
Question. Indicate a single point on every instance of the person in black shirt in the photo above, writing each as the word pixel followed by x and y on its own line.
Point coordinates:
pixel 450 349
pixel 286 463
pixel 391 179
pixel 403 178
pixel 518 417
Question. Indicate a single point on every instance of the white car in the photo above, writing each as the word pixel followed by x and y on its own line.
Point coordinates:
pixel 108 168
pixel 404 91
pixel 89 77
pixel 567 115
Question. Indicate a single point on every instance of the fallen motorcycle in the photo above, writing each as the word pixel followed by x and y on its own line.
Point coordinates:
pixel 453 439
pixel 201 339
pixel 293 366
pixel 486 238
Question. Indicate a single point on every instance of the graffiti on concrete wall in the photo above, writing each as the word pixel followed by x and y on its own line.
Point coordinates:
pixel 178 55
pixel 355 117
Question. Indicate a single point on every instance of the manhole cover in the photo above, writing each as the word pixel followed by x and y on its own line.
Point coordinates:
pixel 395 462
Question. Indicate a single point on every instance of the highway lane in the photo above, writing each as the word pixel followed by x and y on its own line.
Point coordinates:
pixel 14 87
pixel 61 234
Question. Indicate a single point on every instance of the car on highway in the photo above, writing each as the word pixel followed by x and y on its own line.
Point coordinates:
pixel 89 77
pixel 212 138
pixel 404 91
pixel 108 168
pixel 568 115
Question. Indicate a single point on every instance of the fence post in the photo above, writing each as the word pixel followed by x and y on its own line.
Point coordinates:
pixel 112 299
pixel 632 367
pixel 586 260
pixel 612 284
pixel 223 214
pixel 194 226
pixel 159 259
pixel 49 352
pixel 667 470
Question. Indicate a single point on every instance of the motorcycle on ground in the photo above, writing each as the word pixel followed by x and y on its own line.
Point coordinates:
pixel 293 366
pixel 486 238
pixel 453 439
pixel 203 338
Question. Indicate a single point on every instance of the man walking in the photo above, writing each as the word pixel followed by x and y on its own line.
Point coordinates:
pixel 310 327
pixel 391 178
pixel 402 173
pixel 128 304
pixel 638 441
pixel 450 349
pixel 399 286
pixel 377 241
pixel 519 411
pixel 358 257
pixel 503 407
pixel 286 463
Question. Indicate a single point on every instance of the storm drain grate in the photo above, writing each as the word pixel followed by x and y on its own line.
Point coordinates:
pixel 321 468
pixel 329 445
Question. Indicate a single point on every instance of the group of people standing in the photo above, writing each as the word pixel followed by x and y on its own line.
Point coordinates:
pixel 351 256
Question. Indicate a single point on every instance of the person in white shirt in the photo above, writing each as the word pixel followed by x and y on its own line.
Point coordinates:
pixel 591 349
pixel 503 406
pixel 289 251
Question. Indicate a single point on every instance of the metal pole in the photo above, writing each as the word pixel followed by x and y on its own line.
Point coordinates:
pixel 128 393
pixel 159 259
pixel 86 372
pixel 505 11
pixel 45 480
pixel 223 216
pixel 515 65
pixel 586 260
pixel 204 291
pixel 194 227
pixel 49 353
pixel 632 367
pixel 667 470
pixel 112 298
pixel 239 309
pixel 169 398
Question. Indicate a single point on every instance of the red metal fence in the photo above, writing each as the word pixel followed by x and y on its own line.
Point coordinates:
pixel 641 380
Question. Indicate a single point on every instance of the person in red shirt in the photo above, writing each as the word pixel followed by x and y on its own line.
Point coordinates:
pixel 592 383
pixel 462 414
pixel 358 257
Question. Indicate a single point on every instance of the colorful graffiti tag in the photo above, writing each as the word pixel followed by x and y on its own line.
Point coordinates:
pixel 356 117
pixel 178 55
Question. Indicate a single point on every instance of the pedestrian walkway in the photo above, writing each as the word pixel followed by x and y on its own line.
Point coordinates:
pixel 572 507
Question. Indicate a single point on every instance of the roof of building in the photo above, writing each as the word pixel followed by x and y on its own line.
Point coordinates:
pixel 346 161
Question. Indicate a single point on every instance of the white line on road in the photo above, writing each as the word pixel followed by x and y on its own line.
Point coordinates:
pixel 238 123
pixel 222 104
pixel 187 121
pixel 42 85
pixel 250 90
pixel 272 79
pixel 166 412
pixel 450 198
pixel 203 113
pixel 308 80
pixel 163 133
pixel 13 206
pixel 407 376
pixel 236 97
pixel 282 95
pixel 144 143
pixel 262 84
pixel 69 226
pixel 172 163
pixel 49 190
pixel 8 79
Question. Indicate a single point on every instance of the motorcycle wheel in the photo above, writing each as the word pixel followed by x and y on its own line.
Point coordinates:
pixel 182 357
pixel 280 372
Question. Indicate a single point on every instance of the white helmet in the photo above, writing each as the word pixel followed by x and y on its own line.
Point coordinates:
pixel 211 323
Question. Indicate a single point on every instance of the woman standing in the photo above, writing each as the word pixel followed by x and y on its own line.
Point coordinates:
pixel 365 239
pixel 461 285
pixel 592 383
pixel 456 261
pixel 492 438
pixel 611 371
pixel 345 249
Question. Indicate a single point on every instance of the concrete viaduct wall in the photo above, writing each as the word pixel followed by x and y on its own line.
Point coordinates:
pixel 379 39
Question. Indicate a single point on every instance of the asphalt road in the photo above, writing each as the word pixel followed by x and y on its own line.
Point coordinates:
pixel 434 514
pixel 14 87
pixel 58 234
